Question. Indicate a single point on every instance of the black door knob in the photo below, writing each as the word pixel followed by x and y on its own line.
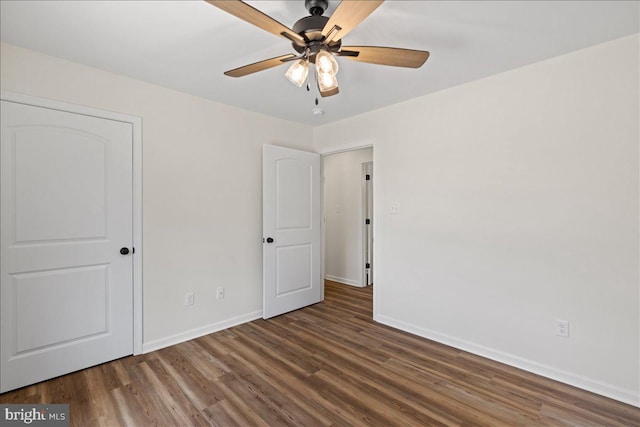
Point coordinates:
pixel 124 251
pixel 269 240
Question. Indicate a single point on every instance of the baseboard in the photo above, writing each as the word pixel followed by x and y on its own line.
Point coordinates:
pixel 343 280
pixel 627 396
pixel 198 332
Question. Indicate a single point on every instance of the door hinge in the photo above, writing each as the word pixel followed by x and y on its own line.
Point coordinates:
pixel 367 265
pixel 367 177
pixel 367 221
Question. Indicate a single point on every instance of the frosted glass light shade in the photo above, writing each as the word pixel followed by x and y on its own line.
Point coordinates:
pixel 326 63
pixel 327 81
pixel 298 71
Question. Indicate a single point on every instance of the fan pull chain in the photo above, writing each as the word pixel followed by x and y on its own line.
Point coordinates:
pixel 317 111
pixel 309 87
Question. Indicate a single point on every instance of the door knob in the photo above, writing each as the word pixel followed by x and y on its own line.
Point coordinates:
pixel 269 240
pixel 124 251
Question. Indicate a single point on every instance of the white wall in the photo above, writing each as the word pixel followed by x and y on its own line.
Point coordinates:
pixel 202 190
pixel 518 199
pixel 343 215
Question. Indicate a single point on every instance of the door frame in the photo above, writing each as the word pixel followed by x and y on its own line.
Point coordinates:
pixel 351 146
pixel 367 234
pixel 136 123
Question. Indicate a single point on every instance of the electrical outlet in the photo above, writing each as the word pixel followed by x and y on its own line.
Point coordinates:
pixel 188 298
pixel 220 293
pixel 395 208
pixel 562 328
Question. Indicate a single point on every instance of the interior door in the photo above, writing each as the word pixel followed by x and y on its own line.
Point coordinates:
pixel 66 286
pixel 291 230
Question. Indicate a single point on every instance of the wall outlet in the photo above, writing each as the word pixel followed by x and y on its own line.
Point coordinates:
pixel 395 208
pixel 188 298
pixel 220 293
pixel 562 328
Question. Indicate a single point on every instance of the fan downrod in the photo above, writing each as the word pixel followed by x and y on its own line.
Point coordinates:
pixel 316 7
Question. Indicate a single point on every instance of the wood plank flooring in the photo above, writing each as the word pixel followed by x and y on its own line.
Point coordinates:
pixel 325 365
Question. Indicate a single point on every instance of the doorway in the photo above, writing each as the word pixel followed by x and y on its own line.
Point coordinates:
pixel 348 216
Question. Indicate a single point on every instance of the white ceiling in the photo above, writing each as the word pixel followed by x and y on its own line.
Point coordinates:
pixel 187 45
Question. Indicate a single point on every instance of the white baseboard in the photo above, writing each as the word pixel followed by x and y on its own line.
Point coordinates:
pixel 343 280
pixel 198 332
pixel 623 395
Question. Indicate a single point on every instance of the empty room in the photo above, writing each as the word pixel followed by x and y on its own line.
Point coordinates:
pixel 320 213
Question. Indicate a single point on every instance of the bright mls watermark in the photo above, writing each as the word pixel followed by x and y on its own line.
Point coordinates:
pixel 34 415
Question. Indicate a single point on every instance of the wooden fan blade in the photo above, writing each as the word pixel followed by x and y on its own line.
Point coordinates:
pixel 248 13
pixel 259 66
pixel 347 16
pixel 393 56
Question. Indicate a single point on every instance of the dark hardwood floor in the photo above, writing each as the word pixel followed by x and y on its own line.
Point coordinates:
pixel 328 364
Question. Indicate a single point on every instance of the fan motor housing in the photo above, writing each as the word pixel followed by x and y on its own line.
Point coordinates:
pixel 310 28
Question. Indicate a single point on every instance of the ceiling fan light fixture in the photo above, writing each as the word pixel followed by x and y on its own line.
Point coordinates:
pixel 318 40
pixel 326 63
pixel 297 72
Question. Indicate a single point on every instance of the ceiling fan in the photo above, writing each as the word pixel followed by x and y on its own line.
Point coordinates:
pixel 318 39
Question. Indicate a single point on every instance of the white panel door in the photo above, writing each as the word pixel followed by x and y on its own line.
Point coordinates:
pixel 66 290
pixel 291 230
